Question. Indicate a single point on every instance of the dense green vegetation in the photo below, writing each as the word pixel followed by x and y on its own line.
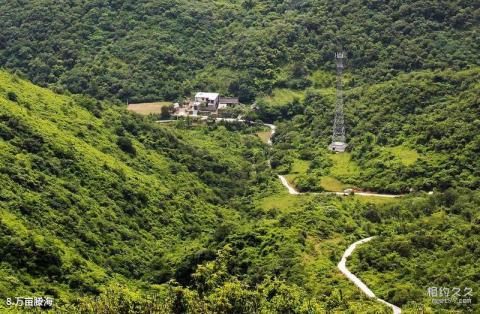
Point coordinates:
pixel 419 131
pixel 109 212
pixel 101 207
pixel 428 243
pixel 165 49
pixel 122 192
pixel 113 211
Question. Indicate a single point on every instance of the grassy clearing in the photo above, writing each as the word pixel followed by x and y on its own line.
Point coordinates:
pixel 299 167
pixel 281 96
pixel 148 107
pixel 331 184
pixel 264 136
pixel 281 201
pixel 375 199
pixel 406 155
pixel 343 166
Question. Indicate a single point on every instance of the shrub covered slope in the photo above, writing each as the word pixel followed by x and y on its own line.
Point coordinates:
pixel 80 182
pixel 419 131
pixel 98 202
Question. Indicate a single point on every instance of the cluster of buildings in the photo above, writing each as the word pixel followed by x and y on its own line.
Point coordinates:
pixel 204 104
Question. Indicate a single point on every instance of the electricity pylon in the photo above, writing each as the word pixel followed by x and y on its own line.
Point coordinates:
pixel 338 138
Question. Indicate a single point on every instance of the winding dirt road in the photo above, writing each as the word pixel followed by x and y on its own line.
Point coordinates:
pixel 290 188
pixel 293 191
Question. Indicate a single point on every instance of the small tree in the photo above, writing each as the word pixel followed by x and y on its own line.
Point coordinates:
pixel 165 112
pixel 12 96
pixel 126 145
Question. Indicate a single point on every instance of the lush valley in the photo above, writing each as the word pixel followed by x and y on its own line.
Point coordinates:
pixel 123 193
pixel 108 211
pixel 98 201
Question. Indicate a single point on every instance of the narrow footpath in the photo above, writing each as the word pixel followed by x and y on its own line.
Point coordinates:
pixel 293 191
pixel 290 188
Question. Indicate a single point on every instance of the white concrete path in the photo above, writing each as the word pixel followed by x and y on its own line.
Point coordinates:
pixel 272 132
pixel 342 266
pixel 284 181
pixel 371 194
pixel 291 189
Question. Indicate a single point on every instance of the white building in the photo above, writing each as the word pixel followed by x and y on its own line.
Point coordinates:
pixel 209 100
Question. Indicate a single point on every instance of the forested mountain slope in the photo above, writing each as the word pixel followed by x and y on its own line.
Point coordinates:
pixel 105 210
pixel 165 49
pixel 404 260
pixel 418 131
pixel 101 209
pixel 106 187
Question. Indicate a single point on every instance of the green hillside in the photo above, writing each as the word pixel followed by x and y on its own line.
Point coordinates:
pixel 152 50
pixel 96 201
pixel 108 210
pixel 96 193
pixel 419 131
pixel 417 252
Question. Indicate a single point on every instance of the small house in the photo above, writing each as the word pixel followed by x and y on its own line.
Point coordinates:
pixel 228 102
pixel 206 101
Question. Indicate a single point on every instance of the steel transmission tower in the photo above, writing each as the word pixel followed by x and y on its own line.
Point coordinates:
pixel 338 138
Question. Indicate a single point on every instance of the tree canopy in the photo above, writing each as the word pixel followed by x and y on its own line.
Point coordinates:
pixel 165 49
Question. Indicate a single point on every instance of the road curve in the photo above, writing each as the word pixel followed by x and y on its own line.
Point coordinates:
pixel 371 194
pixel 291 189
pixel 342 266
pixel 272 132
pixel 286 184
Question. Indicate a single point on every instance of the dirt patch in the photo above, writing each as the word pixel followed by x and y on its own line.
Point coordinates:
pixel 148 107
